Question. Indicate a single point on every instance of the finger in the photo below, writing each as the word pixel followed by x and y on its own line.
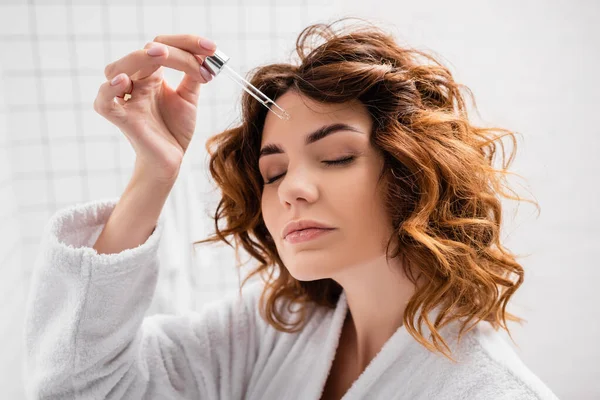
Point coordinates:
pixel 133 62
pixel 149 69
pixel 139 62
pixel 180 60
pixel 105 104
pixel 190 43
pixel 198 46
pixel 126 93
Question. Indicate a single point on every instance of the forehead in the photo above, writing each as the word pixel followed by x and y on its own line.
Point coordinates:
pixel 308 115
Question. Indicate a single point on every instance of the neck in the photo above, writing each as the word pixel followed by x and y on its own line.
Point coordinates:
pixel 377 294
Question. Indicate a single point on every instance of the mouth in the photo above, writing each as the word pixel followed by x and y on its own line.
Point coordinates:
pixel 305 235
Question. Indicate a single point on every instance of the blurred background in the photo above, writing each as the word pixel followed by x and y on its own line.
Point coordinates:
pixel 532 65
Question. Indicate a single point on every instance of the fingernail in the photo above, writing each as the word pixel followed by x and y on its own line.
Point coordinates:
pixel 205 74
pixel 155 51
pixel 116 80
pixel 207 44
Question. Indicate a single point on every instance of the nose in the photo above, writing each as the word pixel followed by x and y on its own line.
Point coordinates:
pixel 298 186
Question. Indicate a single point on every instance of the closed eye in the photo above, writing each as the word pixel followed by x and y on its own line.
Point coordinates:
pixel 339 161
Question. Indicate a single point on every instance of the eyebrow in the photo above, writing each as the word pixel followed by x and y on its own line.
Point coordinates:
pixel 319 134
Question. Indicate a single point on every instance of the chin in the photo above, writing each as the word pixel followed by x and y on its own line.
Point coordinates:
pixel 306 275
pixel 308 269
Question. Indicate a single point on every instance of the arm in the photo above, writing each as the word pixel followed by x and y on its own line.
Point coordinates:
pixel 135 215
pixel 86 335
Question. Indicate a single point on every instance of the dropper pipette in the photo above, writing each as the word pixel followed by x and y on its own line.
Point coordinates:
pixel 217 63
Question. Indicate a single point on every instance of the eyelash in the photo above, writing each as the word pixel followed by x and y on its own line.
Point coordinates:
pixel 340 161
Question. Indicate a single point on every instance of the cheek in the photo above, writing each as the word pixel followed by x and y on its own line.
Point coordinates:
pixel 360 202
pixel 355 191
pixel 268 204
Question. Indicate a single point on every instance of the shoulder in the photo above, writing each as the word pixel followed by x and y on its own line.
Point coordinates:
pixel 489 368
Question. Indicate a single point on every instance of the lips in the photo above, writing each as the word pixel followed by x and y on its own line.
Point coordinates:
pixel 305 235
pixel 300 225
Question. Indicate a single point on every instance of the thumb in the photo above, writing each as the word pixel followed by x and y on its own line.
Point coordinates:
pixel 189 87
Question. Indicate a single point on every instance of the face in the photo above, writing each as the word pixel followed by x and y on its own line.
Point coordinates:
pixel 331 180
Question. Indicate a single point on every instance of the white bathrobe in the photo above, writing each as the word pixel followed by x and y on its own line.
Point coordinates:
pixel 86 337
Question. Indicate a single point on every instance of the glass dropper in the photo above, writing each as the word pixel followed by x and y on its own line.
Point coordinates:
pixel 217 63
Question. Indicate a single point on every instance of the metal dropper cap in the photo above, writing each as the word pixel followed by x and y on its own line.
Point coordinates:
pixel 214 64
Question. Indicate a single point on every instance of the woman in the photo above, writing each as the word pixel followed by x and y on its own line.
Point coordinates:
pixel 374 214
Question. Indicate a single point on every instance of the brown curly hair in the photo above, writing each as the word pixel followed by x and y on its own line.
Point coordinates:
pixel 443 193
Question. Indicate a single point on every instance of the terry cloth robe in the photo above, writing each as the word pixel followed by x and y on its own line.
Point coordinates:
pixel 87 337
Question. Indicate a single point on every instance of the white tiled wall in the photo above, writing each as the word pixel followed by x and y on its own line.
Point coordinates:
pixel 13 279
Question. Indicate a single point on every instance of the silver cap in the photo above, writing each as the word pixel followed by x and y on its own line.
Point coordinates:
pixel 214 64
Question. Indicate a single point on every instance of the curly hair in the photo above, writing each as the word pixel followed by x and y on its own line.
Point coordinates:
pixel 442 193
